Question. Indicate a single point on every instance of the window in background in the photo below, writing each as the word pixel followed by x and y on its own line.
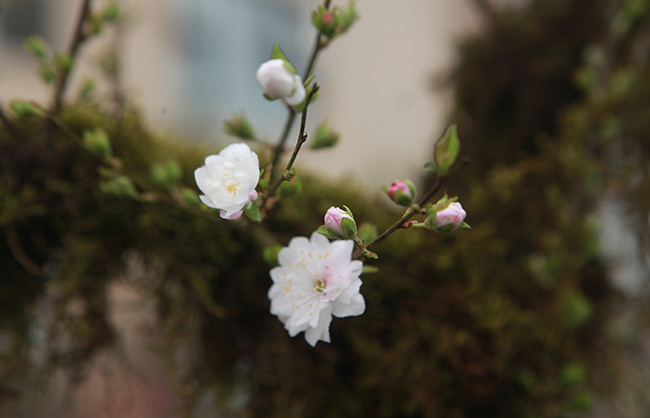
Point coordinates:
pixel 225 41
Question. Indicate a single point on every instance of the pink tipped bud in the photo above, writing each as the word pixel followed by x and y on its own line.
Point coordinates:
pixel 340 223
pixel 449 219
pixel 401 191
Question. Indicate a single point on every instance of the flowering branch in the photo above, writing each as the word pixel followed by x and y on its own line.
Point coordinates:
pixel 279 148
pixel 440 181
pixel 302 137
pixel 80 35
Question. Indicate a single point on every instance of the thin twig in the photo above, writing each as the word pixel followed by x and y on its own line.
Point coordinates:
pixel 5 119
pixel 79 36
pixel 440 181
pixel 279 148
pixel 302 137
pixel 18 252
pixel 486 8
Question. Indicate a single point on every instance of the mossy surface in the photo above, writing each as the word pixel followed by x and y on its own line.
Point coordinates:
pixel 504 320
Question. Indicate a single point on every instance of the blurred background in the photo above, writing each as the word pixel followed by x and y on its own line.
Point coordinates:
pixel 558 186
pixel 190 64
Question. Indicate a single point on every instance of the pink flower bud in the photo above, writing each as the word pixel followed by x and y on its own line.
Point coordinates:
pixel 279 83
pixel 401 191
pixel 450 218
pixel 340 222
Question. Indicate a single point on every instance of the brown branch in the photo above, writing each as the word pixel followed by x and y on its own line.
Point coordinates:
pixel 487 9
pixel 19 254
pixel 78 38
pixel 440 181
pixel 302 137
pixel 279 148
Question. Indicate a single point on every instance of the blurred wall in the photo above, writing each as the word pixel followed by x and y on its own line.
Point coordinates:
pixel 376 80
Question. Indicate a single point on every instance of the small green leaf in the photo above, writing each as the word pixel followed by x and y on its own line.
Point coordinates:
pixel 37 46
pixel 446 150
pixel 253 212
pixel 369 269
pixel 97 142
pixel 25 109
pixel 368 232
pixel 278 53
pixel 270 255
pixel 306 83
pixel 239 126
pixel 325 231
pixel 64 61
pixel 431 167
pixel 370 254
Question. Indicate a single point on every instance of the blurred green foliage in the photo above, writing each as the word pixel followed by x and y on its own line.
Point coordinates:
pixel 505 320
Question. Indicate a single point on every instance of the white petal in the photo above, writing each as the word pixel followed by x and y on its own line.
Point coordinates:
pixel 322 330
pixel 356 307
pixel 207 201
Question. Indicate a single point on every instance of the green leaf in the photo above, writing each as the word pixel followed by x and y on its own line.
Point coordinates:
pixel 239 126
pixel 348 16
pixel 370 254
pixel 37 46
pixel 25 109
pixel 446 150
pixel 97 142
pixel 270 255
pixel 431 167
pixel 253 212
pixel 369 269
pixel 325 231
pixel 278 53
pixel 368 232
pixel 306 83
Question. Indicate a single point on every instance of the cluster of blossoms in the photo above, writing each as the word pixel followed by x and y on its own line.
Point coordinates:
pixel 315 278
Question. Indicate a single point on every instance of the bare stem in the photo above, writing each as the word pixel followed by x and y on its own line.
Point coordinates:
pixel 302 137
pixel 79 37
pixel 10 126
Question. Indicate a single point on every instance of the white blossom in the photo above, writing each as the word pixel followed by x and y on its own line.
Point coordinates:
pixel 315 280
pixel 279 83
pixel 229 180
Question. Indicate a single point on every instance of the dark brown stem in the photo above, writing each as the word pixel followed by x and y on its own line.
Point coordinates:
pixel 10 126
pixel 18 252
pixel 302 137
pixel 279 148
pixel 486 8
pixel 440 181
pixel 79 36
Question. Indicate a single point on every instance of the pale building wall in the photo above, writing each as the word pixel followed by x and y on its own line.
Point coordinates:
pixel 376 80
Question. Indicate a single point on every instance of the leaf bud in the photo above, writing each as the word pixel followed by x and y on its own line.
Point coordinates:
pixel 97 142
pixel 239 126
pixel 323 137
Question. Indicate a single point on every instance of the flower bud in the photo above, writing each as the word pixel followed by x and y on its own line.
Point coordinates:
pixel 326 21
pixel 323 137
pixel 401 191
pixel 340 223
pixel 448 219
pixel 279 82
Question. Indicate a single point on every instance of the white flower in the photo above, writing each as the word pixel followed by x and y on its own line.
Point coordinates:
pixel 315 280
pixel 279 83
pixel 229 180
